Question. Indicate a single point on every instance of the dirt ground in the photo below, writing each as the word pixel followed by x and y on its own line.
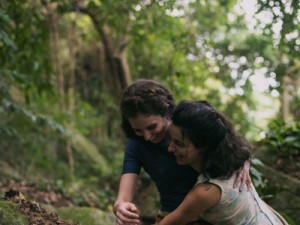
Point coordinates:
pixel 30 206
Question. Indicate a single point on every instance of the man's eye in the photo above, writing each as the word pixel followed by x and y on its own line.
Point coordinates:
pixel 137 131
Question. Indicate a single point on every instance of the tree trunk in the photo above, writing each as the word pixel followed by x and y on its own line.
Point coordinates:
pixel 60 81
pixel 54 37
pixel 117 72
pixel 73 47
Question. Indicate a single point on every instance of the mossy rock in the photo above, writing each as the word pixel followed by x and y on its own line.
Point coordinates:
pixel 287 200
pixel 86 216
pixel 10 214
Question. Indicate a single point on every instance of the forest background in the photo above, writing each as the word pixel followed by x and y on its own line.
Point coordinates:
pixel 65 63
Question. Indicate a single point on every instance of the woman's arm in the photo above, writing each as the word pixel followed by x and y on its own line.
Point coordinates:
pixel 124 210
pixel 200 198
pixel 243 177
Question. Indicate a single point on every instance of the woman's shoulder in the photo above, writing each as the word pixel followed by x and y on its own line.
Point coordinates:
pixel 208 194
pixel 139 143
pixel 135 142
pixel 224 184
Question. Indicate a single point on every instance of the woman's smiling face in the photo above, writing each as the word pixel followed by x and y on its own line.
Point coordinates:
pixel 152 128
pixel 183 149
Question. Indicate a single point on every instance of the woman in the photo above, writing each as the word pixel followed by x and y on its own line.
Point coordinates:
pixel 202 138
pixel 145 108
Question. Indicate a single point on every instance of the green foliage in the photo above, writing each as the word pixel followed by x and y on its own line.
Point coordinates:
pixel 284 139
pixel 282 142
pixel 266 189
pixel 33 126
pixel 15 110
pixel 24 56
pixel 288 219
pixel 5 40
pixel 257 177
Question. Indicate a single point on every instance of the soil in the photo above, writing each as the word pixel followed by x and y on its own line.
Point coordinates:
pixel 36 215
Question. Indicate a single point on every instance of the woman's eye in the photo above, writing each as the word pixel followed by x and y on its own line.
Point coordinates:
pixel 137 131
pixel 179 144
pixel 151 127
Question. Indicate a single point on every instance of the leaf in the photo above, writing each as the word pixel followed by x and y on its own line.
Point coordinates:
pixel 4 37
pixel 291 139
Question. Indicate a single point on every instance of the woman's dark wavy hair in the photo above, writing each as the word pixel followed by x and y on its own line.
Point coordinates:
pixel 146 97
pixel 223 151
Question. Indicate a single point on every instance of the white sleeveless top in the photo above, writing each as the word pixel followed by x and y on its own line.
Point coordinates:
pixel 238 208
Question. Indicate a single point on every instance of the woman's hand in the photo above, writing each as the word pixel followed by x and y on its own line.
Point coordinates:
pixel 126 213
pixel 243 177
